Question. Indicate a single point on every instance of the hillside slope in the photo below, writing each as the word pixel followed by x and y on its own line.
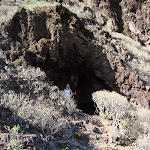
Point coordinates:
pixel 92 45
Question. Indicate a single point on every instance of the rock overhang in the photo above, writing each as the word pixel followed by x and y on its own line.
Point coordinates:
pixel 56 40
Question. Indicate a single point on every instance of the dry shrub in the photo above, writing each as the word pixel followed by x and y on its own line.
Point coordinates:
pixel 123 114
pixel 131 122
pixel 7 13
pixel 112 104
pixel 142 143
pixel 37 101
pixel 31 73
pixel 71 106
pixel 144 120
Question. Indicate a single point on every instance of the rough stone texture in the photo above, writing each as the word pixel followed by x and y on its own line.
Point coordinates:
pixel 130 17
pixel 136 19
pixel 129 82
pixel 81 52
pixel 56 40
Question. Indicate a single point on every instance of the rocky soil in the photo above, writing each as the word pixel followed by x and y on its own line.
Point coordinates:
pixel 92 45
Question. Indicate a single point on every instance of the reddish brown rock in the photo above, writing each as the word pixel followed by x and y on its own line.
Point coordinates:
pixel 56 40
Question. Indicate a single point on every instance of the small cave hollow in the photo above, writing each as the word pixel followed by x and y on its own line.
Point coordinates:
pixel 82 81
pixel 88 83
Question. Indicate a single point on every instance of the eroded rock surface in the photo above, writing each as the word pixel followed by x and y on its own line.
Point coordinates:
pixel 56 40
pixel 76 43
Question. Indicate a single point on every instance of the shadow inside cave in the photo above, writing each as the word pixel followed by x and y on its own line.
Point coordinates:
pixel 69 57
pixel 89 83
pixel 79 74
pixel 84 84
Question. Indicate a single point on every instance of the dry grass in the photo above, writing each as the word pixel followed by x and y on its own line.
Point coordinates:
pixel 140 55
pixel 34 99
pixel 7 13
pixel 31 5
pixel 133 46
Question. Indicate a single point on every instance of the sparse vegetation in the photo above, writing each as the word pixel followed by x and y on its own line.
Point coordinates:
pixel 7 13
pixel 36 104
pixel 14 143
pixel 139 55
pixel 34 113
pixel 131 122
pixel 31 98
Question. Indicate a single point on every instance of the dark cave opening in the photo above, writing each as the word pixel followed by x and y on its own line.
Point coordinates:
pixel 84 83
pixel 88 83
pixel 80 77
pixel 78 72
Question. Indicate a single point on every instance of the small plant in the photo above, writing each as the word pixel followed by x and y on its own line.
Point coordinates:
pixel 14 145
pixel 16 129
pixel 27 2
pixel 67 148
pixel 122 125
pixel 122 113
pixel 80 135
pixel 14 142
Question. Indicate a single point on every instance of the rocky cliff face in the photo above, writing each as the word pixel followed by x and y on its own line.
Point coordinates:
pixel 128 17
pixel 92 45
pixel 56 40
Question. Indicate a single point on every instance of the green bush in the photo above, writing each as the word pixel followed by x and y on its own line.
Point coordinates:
pixel 14 142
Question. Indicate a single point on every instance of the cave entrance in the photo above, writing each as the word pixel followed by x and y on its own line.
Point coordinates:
pixel 84 82
pixel 80 77
pixel 88 83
